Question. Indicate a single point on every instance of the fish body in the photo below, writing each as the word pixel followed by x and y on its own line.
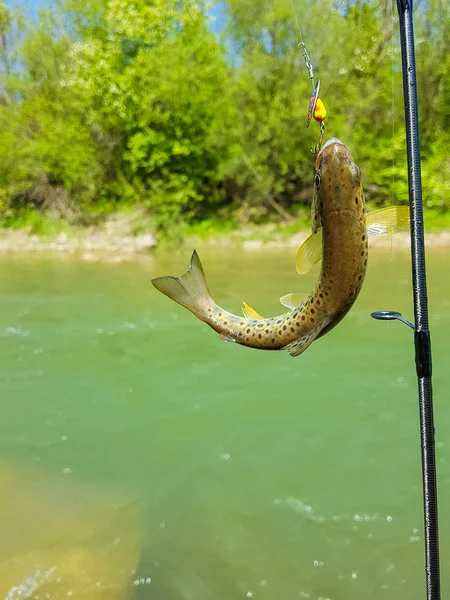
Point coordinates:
pixel 339 213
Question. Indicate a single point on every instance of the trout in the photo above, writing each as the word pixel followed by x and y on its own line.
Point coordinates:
pixel 340 227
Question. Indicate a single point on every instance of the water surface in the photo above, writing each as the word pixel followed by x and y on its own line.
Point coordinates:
pixel 144 458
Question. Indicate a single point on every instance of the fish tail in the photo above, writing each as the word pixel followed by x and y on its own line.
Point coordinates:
pixel 190 290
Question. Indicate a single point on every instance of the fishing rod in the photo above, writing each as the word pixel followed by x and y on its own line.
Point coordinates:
pixel 421 328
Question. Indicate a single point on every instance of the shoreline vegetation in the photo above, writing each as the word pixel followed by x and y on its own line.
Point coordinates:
pixel 122 236
pixel 192 115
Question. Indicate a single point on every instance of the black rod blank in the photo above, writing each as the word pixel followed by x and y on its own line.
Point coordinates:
pixel 422 333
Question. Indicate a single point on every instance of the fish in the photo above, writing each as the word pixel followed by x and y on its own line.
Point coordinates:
pixel 340 228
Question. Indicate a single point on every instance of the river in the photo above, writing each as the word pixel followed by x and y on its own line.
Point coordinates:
pixel 141 457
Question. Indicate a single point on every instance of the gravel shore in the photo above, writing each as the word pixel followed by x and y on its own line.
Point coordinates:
pixel 114 238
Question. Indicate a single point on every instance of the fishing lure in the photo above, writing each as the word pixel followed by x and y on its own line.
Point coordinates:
pixel 316 107
pixel 317 111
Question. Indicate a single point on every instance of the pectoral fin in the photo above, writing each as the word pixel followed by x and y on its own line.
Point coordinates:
pixel 249 313
pixel 292 300
pixel 379 222
pixel 309 253
pixel 387 220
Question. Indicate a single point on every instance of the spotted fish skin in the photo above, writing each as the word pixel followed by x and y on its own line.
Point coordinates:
pixel 338 207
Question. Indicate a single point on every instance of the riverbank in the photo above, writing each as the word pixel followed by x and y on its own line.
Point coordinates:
pixel 118 237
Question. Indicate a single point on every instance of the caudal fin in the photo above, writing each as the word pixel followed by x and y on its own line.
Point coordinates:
pixel 190 290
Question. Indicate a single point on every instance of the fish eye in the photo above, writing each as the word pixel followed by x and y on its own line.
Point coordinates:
pixel 317 181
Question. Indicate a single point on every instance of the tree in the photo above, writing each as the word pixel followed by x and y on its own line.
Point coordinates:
pixel 115 103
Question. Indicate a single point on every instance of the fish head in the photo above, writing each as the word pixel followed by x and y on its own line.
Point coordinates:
pixel 337 180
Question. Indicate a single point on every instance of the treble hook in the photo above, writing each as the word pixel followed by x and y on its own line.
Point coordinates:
pixel 317 145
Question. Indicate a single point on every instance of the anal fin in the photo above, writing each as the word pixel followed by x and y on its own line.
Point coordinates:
pixel 297 347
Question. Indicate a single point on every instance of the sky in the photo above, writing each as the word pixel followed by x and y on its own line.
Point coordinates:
pixel 216 12
pixel 32 5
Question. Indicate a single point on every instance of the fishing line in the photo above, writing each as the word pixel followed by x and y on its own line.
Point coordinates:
pixel 391 8
pixel 303 45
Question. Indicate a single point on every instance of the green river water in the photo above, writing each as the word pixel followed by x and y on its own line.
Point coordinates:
pixel 143 458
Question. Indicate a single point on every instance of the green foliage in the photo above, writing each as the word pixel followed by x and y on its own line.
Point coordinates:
pixel 110 104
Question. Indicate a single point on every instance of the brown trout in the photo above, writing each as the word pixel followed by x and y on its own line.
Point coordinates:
pixel 339 237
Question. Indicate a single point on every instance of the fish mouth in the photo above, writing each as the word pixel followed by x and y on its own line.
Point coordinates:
pixel 333 140
pixel 333 151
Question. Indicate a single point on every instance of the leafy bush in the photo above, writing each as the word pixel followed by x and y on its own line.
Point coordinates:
pixel 117 103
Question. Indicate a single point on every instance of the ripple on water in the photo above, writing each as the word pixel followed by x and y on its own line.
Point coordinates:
pixel 142 581
pixel 30 585
pixel 305 509
pixel 16 331
pixel 310 514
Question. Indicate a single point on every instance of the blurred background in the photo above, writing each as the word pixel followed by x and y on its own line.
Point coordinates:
pixel 194 112
pixel 140 457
